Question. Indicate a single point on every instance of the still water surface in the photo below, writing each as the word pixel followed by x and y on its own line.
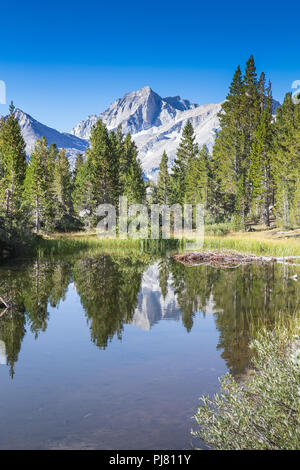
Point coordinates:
pixel 113 351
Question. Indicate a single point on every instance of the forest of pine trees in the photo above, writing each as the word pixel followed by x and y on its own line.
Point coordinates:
pixel 45 195
pixel 256 161
pixel 252 176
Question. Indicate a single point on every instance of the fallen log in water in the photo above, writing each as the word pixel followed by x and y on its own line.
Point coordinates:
pixel 4 312
pixel 226 259
pixel 3 302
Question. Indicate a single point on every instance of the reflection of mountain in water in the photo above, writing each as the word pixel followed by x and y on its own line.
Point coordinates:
pixel 152 305
pixel 119 290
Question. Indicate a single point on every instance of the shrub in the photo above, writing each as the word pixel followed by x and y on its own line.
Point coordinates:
pixel 218 229
pixel 263 411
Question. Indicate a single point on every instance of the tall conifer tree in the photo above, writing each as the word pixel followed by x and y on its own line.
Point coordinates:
pixel 196 179
pixel 260 177
pixel 163 182
pixel 286 162
pixel 12 165
pixel 62 185
pixel 38 187
pixel 187 150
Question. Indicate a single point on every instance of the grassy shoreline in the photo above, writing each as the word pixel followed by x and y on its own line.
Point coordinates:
pixel 258 243
pixel 266 247
pixel 266 243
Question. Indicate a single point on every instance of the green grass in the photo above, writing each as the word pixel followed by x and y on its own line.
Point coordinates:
pixel 216 237
pixel 263 247
pixel 69 245
pixel 65 245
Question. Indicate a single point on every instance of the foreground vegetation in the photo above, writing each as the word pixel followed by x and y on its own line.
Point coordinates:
pixel 263 412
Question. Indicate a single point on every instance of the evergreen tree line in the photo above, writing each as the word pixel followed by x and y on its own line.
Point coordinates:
pixel 44 194
pixel 252 176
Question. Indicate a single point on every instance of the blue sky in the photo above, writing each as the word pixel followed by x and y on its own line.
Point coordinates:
pixel 62 60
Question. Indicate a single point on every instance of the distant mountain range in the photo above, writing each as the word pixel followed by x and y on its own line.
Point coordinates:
pixel 155 123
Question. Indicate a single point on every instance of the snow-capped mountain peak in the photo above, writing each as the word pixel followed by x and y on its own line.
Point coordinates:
pixel 155 123
pixel 136 111
pixel 33 130
pixel 178 103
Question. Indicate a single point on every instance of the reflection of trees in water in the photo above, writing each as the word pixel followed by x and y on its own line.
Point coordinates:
pixel 244 299
pixel 47 284
pixel 12 322
pixel 164 274
pixel 108 290
pixel 193 289
pixel 29 290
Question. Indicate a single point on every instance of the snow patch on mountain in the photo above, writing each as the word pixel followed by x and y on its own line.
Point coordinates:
pixel 167 137
pixel 33 130
pixel 156 124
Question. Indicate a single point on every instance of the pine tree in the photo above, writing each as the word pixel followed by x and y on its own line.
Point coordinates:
pixel 196 179
pixel 62 186
pixel 78 164
pixel 164 182
pixel 260 176
pixel 151 191
pixel 82 194
pixel 262 92
pixel 101 165
pixel 131 181
pixel 52 157
pixel 37 194
pixel 121 164
pixel 97 179
pixel 227 154
pixel 250 112
pixel 251 103
pixel 286 162
pixel 295 150
pixel 12 165
pixel 134 187
pixel 239 118
pixel 78 183
pixel 187 150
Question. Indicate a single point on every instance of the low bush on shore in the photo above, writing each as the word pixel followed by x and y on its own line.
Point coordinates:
pixel 263 411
